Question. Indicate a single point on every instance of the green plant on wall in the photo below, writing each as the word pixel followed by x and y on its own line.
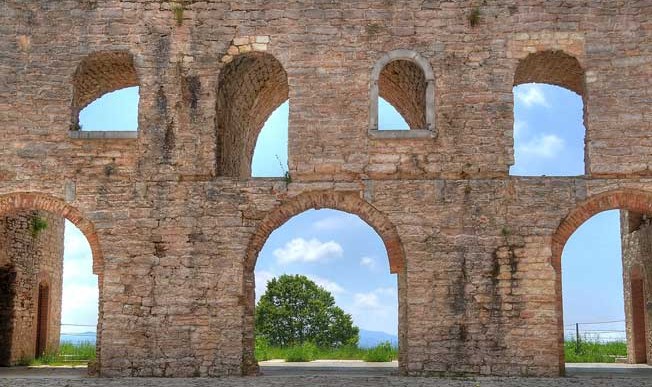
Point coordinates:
pixel 178 14
pixel 286 174
pixel 37 225
pixel 474 17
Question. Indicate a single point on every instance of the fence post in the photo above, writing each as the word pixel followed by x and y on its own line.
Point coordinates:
pixel 577 337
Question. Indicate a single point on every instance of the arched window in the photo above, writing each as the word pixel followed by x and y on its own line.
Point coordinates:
pixel 404 80
pixel 105 95
pixel 549 130
pixel 270 158
pixel 250 88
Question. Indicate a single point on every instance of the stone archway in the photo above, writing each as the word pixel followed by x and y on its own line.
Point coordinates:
pixel 622 199
pixel 344 201
pixel 38 201
pixel 33 201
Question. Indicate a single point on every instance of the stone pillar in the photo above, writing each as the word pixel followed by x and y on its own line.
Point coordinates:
pixel 31 256
pixel 636 234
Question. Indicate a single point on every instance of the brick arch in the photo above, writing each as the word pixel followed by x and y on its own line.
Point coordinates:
pixel 554 67
pixel 623 199
pixel 405 80
pixel 38 201
pixel 100 73
pixel 344 201
pixel 250 87
pixel 631 200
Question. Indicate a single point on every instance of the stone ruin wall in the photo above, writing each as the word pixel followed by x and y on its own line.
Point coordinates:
pixel 27 260
pixel 636 233
pixel 175 222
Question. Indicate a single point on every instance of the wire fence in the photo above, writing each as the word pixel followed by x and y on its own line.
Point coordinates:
pixel 77 344
pixel 596 331
pixel 78 333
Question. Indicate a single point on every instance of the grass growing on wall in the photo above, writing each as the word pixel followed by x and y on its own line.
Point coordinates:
pixel 594 352
pixel 308 352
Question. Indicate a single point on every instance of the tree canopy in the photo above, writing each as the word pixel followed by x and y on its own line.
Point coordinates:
pixel 295 310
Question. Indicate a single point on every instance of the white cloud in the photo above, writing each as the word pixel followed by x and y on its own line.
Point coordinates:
pixel 329 223
pixel 366 301
pixel 547 146
pixel 80 291
pixel 329 285
pixel 368 262
pixel 379 299
pixel 376 310
pixel 519 128
pixel 390 291
pixel 262 278
pixel 531 95
pixel 313 250
pixel 79 306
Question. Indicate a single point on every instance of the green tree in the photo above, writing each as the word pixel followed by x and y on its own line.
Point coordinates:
pixel 295 310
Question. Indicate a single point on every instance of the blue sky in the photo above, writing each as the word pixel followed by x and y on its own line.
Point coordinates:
pixel 344 255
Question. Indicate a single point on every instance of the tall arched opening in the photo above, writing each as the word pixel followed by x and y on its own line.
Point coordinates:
pixel 250 88
pixel 348 202
pixel 636 237
pixel 31 262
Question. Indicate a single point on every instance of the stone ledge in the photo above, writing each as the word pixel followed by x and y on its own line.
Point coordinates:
pixel 401 134
pixel 103 135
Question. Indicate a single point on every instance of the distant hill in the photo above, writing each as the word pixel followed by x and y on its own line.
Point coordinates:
pixel 77 338
pixel 373 338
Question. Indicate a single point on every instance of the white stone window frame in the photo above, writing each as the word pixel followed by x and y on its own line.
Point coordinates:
pixel 403 54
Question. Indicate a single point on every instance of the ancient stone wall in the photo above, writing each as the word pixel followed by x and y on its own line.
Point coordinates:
pixel 175 222
pixel 31 257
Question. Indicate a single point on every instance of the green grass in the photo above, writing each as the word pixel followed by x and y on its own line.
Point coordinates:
pixel 68 354
pixel 594 352
pixel 309 352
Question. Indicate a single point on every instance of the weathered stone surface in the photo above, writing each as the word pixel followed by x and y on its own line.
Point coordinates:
pixel 175 223
pixel 31 261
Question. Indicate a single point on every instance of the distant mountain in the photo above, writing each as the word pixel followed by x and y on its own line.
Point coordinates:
pixel 372 338
pixel 77 338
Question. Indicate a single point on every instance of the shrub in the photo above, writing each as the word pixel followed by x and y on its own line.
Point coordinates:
pixel 300 353
pixel 381 353
pixel 262 349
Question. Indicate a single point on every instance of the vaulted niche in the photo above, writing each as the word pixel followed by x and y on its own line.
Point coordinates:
pixel 549 116
pixel 404 80
pixel 250 88
pixel 105 94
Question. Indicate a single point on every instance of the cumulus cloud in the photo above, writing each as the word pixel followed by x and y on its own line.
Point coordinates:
pixel 546 146
pixel 313 250
pixel 531 95
pixel 366 301
pixel 368 262
pixel 519 128
pixel 327 284
pixel 79 306
pixel 378 299
pixel 80 292
pixel 262 278
pixel 337 221
pixel 329 223
pixel 376 310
